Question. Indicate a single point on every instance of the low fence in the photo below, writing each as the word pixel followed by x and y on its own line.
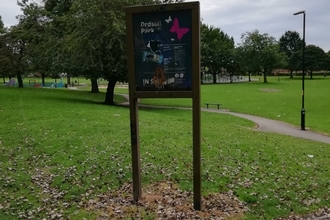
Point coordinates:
pixel 37 85
pixel 208 78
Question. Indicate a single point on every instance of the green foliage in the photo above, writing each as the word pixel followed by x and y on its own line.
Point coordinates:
pixel 35 25
pixel 6 67
pixel 216 50
pixel 315 59
pixel 261 52
pixel 13 51
pixel 295 61
pixel 2 27
pixel 289 43
pixel 328 62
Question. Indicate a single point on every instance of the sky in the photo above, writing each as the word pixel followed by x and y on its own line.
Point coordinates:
pixel 236 17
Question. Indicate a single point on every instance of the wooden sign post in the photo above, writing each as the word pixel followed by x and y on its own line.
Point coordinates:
pixel 163 50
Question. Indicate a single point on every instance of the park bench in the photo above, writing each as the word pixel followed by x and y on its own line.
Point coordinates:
pixel 207 104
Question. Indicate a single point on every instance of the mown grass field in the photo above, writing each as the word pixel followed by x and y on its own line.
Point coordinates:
pixel 60 149
pixel 280 99
pixel 275 100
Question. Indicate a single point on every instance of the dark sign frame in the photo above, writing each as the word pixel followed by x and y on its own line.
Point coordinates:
pixel 163 50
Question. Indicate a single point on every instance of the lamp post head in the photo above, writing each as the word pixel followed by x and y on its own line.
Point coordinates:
pixel 299 12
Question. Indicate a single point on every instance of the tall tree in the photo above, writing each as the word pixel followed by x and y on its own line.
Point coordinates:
pixel 97 46
pixel 58 31
pixel 315 59
pixel 34 22
pixel 261 52
pixel 5 54
pixel 2 26
pixel 295 61
pixel 244 64
pixel 328 55
pixel 289 43
pixel 216 50
pixel 16 44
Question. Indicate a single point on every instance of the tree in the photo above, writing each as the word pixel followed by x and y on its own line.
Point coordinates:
pixel 5 54
pixel 261 53
pixel 16 50
pixel 98 47
pixel 33 24
pixel 12 53
pixel 216 50
pixel 77 37
pixel 328 55
pixel 59 30
pixel 315 59
pixel 295 61
pixel 244 66
pixel 2 26
pixel 289 43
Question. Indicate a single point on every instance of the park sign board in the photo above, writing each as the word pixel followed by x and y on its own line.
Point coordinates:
pixel 163 57
pixel 163 50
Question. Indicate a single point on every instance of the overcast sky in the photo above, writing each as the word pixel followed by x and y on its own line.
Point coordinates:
pixel 235 17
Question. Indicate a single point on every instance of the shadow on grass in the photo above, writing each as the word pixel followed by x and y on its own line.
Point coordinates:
pixel 75 100
pixel 154 109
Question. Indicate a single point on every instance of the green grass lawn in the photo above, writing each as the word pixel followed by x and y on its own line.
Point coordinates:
pixel 61 148
pixel 275 100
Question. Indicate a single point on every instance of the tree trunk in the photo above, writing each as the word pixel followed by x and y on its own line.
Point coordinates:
pixel 291 74
pixel 311 74
pixel 249 77
pixel 214 78
pixel 43 79
pixel 110 92
pixel 68 79
pixel 95 87
pixel 265 77
pixel 4 80
pixel 20 80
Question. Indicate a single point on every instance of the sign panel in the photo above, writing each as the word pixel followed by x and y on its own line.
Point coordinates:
pixel 163 50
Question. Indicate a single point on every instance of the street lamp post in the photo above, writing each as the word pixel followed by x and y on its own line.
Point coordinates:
pixel 302 124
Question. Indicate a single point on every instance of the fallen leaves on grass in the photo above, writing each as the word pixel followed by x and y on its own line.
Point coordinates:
pixel 320 214
pixel 163 200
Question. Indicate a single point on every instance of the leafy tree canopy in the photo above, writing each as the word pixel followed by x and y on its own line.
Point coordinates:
pixel 289 43
pixel 315 59
pixel 216 49
pixel 261 52
pixel 2 27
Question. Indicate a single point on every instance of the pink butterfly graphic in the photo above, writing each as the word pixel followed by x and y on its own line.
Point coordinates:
pixel 176 29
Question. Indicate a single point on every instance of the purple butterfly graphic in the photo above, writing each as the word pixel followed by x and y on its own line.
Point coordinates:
pixel 176 29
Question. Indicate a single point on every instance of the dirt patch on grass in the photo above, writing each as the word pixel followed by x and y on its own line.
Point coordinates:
pixel 164 200
pixel 269 90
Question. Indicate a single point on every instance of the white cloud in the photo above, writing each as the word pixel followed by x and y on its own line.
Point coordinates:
pixel 8 11
pixel 270 16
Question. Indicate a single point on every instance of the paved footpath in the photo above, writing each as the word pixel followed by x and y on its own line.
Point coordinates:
pixel 268 125
pixel 264 124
